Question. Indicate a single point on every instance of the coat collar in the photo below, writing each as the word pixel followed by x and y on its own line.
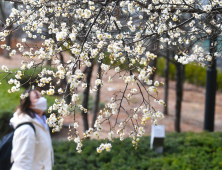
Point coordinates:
pixel 22 118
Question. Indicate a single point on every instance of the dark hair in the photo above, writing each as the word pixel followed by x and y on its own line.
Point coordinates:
pixel 25 103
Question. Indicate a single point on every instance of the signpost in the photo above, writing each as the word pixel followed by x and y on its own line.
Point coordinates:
pixel 157 138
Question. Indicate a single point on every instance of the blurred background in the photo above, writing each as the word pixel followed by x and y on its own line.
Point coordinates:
pixel 184 93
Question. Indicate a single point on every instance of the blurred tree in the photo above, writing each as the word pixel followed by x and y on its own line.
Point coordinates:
pixel 97 97
pixel 8 38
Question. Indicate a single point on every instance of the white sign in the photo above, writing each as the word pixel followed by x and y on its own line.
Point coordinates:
pixel 157 137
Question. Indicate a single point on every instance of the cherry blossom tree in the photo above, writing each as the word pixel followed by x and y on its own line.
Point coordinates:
pixel 126 31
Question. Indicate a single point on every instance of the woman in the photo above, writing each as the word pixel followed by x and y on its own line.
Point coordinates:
pixel 31 150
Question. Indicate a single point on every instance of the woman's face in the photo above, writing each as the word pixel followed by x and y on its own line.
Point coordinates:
pixel 34 96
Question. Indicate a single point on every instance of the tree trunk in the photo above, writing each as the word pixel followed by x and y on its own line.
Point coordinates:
pixel 154 62
pixel 86 97
pixel 61 58
pixel 8 38
pixel 182 78
pixel 179 93
pixel 64 82
pixel 3 17
pixel 8 43
pixel 166 84
pixel 152 76
pixel 211 87
pixel 96 101
pixel 49 62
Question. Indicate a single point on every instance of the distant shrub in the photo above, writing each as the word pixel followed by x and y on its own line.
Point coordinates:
pixel 160 68
pixel 194 74
pixel 182 151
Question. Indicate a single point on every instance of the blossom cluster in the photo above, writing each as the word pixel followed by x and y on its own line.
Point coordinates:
pixel 106 146
pixel 121 35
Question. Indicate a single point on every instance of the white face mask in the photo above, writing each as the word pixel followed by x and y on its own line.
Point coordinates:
pixel 41 104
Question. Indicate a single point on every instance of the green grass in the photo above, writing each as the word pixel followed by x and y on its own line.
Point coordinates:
pixel 182 151
pixel 8 100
